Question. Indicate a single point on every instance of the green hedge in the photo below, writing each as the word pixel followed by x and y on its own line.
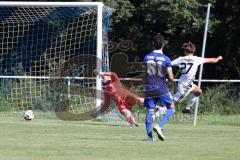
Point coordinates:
pixel 220 99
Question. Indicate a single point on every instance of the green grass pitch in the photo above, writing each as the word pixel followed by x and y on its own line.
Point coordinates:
pixel 51 139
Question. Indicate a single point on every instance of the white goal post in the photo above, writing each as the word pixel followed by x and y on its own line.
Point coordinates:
pixel 201 66
pixel 73 4
pixel 13 40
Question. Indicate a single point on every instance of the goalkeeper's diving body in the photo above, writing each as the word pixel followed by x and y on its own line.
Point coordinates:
pixel 124 99
pixel 158 69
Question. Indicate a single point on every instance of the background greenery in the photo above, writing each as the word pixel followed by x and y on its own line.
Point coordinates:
pixel 180 21
pixel 46 138
pixel 217 99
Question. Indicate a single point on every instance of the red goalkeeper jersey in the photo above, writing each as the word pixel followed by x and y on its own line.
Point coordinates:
pixel 114 90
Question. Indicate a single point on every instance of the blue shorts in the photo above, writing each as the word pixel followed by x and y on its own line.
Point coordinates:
pixel 165 100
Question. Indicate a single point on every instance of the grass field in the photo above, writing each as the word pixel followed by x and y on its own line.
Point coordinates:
pixel 52 139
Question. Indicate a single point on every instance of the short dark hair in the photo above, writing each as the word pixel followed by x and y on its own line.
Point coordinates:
pixel 189 47
pixel 158 41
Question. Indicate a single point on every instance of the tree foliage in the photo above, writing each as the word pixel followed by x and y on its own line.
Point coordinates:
pixel 179 21
pixel 226 39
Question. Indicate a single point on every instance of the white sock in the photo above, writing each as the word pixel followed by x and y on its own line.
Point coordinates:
pixel 161 111
pixel 157 126
pixel 191 101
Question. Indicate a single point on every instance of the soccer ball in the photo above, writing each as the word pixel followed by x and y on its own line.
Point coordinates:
pixel 28 115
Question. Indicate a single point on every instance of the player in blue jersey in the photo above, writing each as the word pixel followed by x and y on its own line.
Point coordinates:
pixel 158 72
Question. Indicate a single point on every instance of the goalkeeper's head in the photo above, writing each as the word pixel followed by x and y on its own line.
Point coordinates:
pixel 106 80
pixel 189 48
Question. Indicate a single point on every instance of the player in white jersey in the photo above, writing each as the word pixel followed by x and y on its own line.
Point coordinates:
pixel 189 66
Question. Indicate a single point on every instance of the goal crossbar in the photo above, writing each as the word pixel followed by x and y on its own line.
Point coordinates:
pixel 44 4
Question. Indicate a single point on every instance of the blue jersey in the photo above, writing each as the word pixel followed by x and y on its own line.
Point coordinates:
pixel 157 65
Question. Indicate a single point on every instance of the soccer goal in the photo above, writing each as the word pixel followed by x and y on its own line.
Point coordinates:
pixel 48 52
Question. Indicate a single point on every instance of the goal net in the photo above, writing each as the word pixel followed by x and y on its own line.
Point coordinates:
pixel 47 55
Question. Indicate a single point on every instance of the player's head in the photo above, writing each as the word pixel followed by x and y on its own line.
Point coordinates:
pixel 158 41
pixel 105 80
pixel 189 48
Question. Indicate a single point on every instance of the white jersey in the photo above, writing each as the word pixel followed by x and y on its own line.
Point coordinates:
pixel 189 66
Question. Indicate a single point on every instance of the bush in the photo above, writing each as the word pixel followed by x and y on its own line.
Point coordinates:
pixel 219 99
pixel 223 99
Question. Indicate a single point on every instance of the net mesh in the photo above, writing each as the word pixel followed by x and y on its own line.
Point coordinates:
pixel 40 47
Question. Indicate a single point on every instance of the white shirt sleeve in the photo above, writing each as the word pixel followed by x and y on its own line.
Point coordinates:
pixel 176 62
pixel 200 60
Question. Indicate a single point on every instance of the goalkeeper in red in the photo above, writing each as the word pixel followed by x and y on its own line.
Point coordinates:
pixel 124 99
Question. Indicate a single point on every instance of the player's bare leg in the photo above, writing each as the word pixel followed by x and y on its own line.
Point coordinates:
pixel 196 92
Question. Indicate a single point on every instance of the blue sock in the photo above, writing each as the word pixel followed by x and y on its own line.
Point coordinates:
pixel 149 123
pixel 167 117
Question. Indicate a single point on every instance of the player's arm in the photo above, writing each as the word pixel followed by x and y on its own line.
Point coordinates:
pixel 175 62
pixel 169 69
pixel 213 60
pixel 107 73
pixel 100 73
pixel 170 78
pixel 170 74
pixel 113 75
pixel 110 75
pixel 140 100
pixel 133 99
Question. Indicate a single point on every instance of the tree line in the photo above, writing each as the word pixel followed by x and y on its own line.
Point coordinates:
pixel 181 21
